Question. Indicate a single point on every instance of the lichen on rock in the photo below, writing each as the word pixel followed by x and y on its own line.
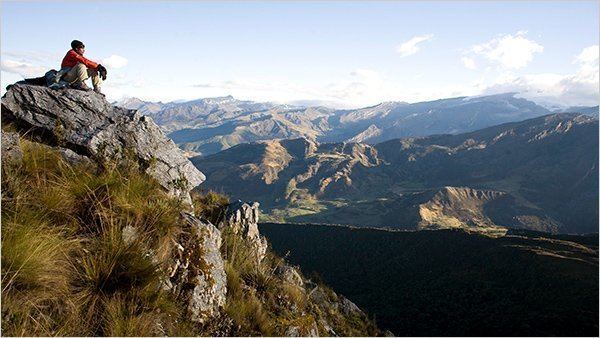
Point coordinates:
pixel 197 274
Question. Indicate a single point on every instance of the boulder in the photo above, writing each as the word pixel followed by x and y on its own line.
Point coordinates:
pixel 319 296
pixel 197 273
pixel 89 125
pixel 332 300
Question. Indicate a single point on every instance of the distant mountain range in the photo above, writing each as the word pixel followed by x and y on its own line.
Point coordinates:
pixel 207 126
pixel 540 174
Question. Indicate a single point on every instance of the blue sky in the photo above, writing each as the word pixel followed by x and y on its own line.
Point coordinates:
pixel 344 54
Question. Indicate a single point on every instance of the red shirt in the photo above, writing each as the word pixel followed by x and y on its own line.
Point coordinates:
pixel 72 59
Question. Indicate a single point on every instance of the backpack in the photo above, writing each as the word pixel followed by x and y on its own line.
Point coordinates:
pixel 53 78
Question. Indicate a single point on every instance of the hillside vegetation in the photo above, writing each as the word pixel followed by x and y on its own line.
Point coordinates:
pixel 71 266
pixel 452 283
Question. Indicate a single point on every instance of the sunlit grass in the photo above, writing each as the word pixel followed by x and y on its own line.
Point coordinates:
pixel 66 267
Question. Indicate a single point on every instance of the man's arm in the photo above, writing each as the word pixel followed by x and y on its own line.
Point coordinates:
pixel 88 63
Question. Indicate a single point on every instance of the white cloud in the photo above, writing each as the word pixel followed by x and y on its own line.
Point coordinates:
pixel 588 55
pixel 469 63
pixel 22 68
pixel 368 75
pixel 410 47
pixel 509 51
pixel 588 64
pixel 580 88
pixel 114 62
pixel 30 56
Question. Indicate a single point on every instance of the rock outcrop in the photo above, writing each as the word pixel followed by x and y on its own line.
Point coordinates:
pixel 88 125
pixel 242 219
pixel 290 275
pixel 197 275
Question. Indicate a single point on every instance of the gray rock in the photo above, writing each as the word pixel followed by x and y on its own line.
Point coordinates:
pixel 347 307
pixel 242 219
pixel 197 274
pixel 11 149
pixel 86 123
pixel 296 331
pixel 290 275
pixel 73 158
pixel 319 296
pixel 343 304
pixel 292 331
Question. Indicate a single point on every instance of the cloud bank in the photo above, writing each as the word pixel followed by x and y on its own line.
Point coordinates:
pixel 580 88
pixel 501 64
pixel 24 69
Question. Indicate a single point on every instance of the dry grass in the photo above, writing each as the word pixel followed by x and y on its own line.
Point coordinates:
pixel 66 268
pixel 210 205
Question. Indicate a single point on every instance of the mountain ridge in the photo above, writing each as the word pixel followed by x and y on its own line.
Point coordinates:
pixel 206 126
pixel 531 160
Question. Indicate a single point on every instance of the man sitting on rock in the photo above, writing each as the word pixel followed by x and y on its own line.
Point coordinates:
pixel 77 68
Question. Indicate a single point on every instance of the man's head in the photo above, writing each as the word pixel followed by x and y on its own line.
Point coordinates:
pixel 78 47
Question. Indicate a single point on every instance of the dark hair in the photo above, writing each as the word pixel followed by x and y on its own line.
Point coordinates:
pixel 77 44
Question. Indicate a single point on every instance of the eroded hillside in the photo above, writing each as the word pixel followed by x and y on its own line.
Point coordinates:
pixel 541 173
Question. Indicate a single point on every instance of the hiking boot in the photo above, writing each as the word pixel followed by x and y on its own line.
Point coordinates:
pixel 97 91
pixel 81 86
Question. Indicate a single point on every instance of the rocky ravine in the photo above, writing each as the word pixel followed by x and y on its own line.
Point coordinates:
pixel 84 127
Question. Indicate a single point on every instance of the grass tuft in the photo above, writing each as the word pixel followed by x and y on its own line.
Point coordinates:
pixel 67 268
pixel 210 206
